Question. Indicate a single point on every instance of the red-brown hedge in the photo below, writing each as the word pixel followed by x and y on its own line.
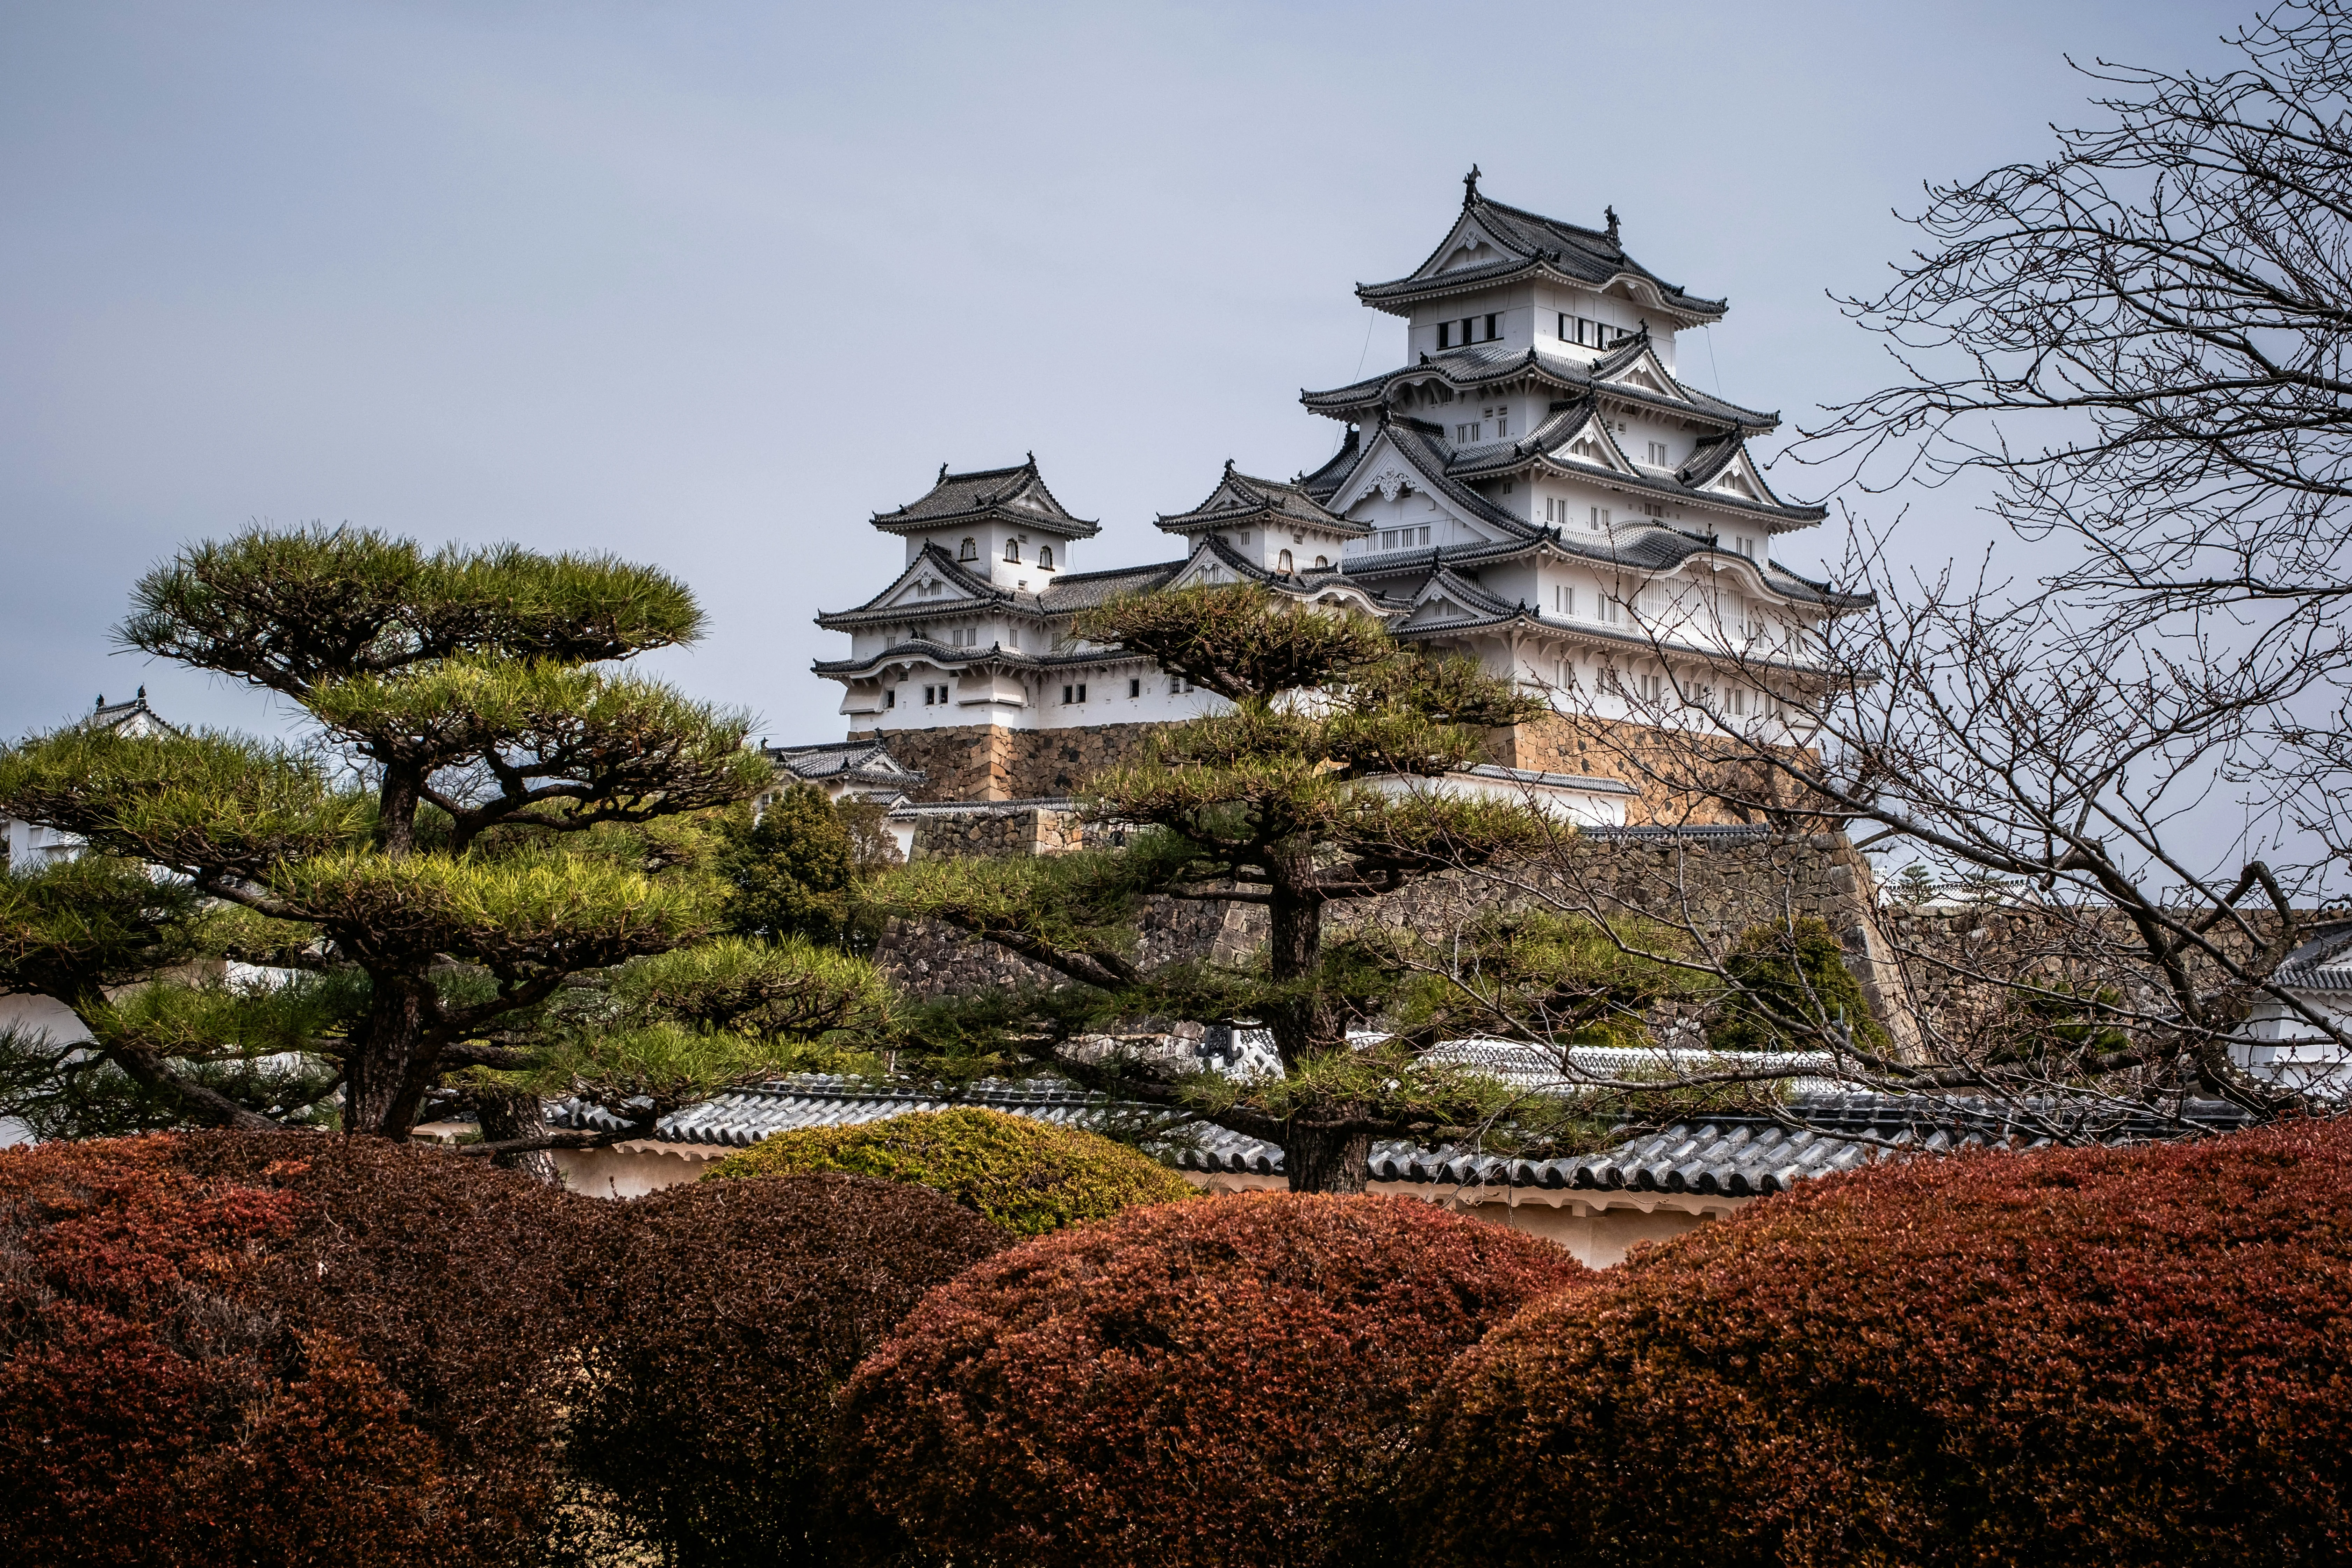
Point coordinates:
pixel 2080 1358
pixel 1203 1382
pixel 743 1305
pixel 241 1348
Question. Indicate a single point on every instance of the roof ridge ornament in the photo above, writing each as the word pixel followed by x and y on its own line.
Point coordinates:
pixel 1470 187
pixel 1610 213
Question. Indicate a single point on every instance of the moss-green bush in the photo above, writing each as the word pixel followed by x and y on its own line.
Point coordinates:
pixel 1029 1177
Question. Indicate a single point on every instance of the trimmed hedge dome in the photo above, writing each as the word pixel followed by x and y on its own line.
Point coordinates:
pixel 240 1348
pixel 2086 1357
pixel 1027 1176
pixel 1212 1382
pixel 707 1408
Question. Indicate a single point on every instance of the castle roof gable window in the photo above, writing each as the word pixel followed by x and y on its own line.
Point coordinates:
pixel 1491 245
pixel 1015 496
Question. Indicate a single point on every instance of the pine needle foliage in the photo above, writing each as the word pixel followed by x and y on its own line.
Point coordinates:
pixel 1315 787
pixel 485 824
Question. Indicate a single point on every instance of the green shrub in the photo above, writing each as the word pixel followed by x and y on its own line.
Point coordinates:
pixel 1794 991
pixel 1029 1177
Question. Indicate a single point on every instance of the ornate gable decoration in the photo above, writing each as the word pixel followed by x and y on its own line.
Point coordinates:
pixel 1587 440
pixel 1643 371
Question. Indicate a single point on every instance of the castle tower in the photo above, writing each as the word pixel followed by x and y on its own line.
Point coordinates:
pixel 1535 489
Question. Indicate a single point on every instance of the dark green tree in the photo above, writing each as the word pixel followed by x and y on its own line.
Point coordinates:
pixel 484 811
pixel 1788 988
pixel 790 868
pixel 1315 790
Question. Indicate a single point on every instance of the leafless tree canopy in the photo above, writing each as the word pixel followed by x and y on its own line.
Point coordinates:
pixel 2168 296
pixel 2140 344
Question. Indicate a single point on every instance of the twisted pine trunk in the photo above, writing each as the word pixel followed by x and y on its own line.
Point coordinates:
pixel 508 1117
pixel 1326 1159
pixel 1332 1152
pixel 383 1087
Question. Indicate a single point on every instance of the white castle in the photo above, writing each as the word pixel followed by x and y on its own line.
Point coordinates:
pixel 1534 488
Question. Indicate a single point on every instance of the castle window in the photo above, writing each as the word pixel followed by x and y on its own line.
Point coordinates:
pixel 1012 550
pixel 1590 333
pixel 1463 434
pixel 1283 565
pixel 889 697
pixel 1600 519
pixel 1135 689
pixel 1044 558
pixel 1657 453
pixel 1074 695
pixel 1465 331
pixel 1609 611
pixel 1321 561
pixel 971 551
pixel 1403 538
pixel 1748 547
pixel 1654 508
pixel 1563 600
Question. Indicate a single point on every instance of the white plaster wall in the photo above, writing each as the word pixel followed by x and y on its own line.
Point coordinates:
pixel 631 1170
pixel 1599 1230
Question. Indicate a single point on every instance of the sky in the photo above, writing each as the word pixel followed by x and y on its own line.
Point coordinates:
pixel 707 284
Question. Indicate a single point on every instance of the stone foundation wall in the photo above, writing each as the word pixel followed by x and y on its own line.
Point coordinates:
pixel 984 762
pixel 1613 749
pixel 1715 883
pixel 998 831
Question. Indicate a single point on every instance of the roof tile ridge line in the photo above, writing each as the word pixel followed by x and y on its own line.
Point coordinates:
pixel 945 480
pixel 875 606
pixel 1068 577
pixel 1445 573
pixel 1477 504
pixel 1719 401
pixel 1037 476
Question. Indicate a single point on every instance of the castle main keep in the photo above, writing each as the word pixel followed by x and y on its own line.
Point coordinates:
pixel 1535 487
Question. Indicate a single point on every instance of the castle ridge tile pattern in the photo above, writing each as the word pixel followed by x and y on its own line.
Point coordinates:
pixel 1728 1155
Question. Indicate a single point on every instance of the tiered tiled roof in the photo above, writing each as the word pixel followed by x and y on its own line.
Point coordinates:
pixel 1239 499
pixel 1016 495
pixel 858 763
pixel 1480 368
pixel 2322 963
pixel 1529 246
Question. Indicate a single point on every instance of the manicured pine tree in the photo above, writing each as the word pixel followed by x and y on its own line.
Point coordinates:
pixel 1311 792
pixel 484 812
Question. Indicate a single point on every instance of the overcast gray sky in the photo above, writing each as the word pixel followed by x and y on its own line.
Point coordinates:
pixel 706 284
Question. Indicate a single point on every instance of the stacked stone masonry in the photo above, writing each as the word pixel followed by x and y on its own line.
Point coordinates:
pixel 1714 885
pixel 986 762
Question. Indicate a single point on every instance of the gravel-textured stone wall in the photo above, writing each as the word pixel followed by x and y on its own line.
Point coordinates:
pixel 1715 884
pixel 983 762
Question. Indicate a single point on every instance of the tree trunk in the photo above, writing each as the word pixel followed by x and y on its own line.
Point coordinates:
pixel 1319 1158
pixel 506 1117
pixel 398 798
pixel 1293 949
pixel 382 1090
